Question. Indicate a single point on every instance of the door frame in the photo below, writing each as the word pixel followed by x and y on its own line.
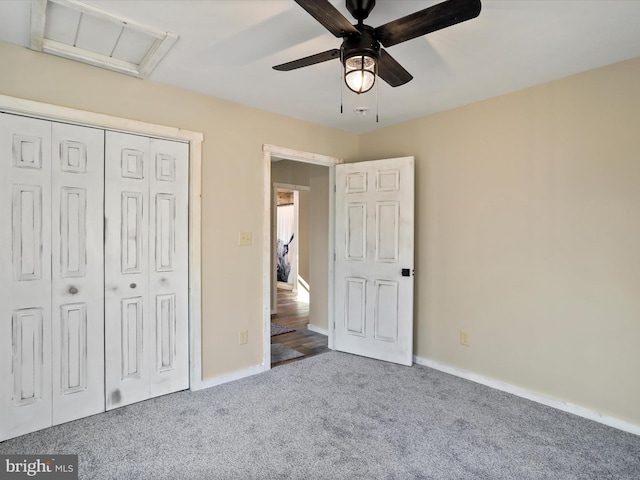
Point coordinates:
pixel 270 151
pixel 46 111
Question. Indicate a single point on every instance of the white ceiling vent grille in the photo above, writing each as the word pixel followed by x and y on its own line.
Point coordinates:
pixel 81 32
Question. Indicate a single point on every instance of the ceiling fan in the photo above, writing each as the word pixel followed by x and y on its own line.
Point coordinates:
pixel 361 53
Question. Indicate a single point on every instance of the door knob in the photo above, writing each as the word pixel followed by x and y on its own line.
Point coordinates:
pixel 133 285
pixel 73 290
pixel 406 272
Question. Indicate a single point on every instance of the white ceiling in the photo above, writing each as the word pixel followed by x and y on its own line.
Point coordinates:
pixel 227 48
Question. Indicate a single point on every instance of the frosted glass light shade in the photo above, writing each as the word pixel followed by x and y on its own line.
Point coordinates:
pixel 360 73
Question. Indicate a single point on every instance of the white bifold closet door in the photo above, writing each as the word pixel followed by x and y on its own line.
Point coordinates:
pixel 77 271
pixel 146 268
pixel 51 274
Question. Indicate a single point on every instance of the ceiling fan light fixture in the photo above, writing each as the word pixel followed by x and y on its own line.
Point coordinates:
pixel 361 53
pixel 360 73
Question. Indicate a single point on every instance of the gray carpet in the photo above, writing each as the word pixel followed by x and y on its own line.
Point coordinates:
pixel 338 416
pixel 277 329
pixel 281 353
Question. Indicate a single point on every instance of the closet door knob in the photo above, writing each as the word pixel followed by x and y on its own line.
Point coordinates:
pixel 73 290
pixel 133 285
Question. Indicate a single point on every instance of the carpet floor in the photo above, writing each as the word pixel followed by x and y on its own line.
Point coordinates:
pixel 277 329
pixel 339 416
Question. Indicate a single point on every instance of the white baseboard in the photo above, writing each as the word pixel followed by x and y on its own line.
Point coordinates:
pixel 319 330
pixel 230 377
pixel 529 395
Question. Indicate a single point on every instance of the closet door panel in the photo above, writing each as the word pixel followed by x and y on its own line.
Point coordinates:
pixel 78 271
pixel 93 271
pixel 25 275
pixel 128 338
pixel 168 269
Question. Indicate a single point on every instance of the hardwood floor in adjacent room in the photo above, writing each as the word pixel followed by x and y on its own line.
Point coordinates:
pixel 295 314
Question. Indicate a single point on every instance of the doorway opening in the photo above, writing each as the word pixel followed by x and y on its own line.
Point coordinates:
pixel 304 184
pixel 299 213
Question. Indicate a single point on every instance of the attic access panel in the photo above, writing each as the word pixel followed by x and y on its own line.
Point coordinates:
pixel 81 32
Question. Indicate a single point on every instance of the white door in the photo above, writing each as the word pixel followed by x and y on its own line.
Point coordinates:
pixel 146 270
pixel 25 275
pixel 374 259
pixel 169 266
pixel 77 206
pixel 51 274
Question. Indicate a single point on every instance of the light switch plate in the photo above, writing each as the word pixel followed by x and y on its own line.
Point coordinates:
pixel 245 239
pixel 465 338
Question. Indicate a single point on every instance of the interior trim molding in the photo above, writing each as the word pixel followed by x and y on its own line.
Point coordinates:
pixel 529 395
pixel 300 156
pixel 46 111
pixel 233 376
pixel 49 111
pixel 319 330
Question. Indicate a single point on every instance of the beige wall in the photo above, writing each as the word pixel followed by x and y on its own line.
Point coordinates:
pixel 528 236
pixel 232 168
pixel 528 209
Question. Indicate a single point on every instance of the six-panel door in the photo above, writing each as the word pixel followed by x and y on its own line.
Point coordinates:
pixel 374 244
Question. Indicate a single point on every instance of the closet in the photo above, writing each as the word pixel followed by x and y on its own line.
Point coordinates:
pixel 93 271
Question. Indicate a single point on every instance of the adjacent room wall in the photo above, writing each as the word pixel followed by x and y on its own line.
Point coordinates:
pixel 285 172
pixel 528 236
pixel 317 178
pixel 304 197
pixel 232 168
pixel 318 244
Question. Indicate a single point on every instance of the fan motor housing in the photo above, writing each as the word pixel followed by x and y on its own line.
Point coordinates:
pixel 360 9
pixel 365 44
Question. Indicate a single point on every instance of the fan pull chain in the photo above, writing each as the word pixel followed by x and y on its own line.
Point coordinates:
pixel 341 82
pixel 377 90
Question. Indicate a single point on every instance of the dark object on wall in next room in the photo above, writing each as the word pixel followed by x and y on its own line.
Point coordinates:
pixel 284 265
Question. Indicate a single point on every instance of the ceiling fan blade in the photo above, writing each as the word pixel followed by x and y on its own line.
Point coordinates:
pixel 329 17
pixel 391 71
pixel 310 60
pixel 426 21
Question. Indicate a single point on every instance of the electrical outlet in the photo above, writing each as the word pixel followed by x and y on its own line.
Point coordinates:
pixel 465 338
pixel 244 337
pixel 245 239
